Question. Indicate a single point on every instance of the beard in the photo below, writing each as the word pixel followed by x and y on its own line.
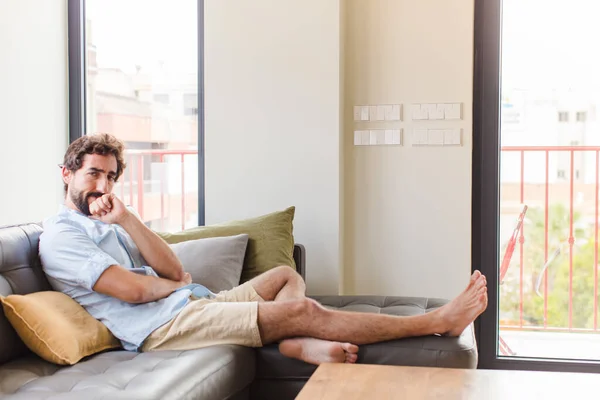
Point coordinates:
pixel 81 200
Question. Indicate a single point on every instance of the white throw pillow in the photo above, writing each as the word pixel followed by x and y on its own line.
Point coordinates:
pixel 213 262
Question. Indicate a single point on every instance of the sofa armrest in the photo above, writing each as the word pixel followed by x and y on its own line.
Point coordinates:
pixel 300 259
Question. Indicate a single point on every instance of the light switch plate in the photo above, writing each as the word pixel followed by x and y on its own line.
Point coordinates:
pixel 435 137
pixel 380 115
pixel 357 138
pixel 453 111
pixel 397 136
pixel 389 110
pixel 392 112
pixel 389 136
pixel 397 112
pixel 372 113
pixel 419 137
pixel 453 137
pixel 432 111
pixel 373 137
pixel 364 113
pixel 365 137
pixel 416 112
pixel 356 112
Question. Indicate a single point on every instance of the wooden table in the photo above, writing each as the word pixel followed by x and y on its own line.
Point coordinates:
pixel 348 381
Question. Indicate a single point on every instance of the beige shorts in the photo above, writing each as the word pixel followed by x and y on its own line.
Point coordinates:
pixel 230 318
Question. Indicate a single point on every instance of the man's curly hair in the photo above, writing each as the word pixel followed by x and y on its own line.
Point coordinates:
pixel 100 143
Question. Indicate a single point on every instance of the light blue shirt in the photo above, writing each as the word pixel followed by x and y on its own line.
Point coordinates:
pixel 75 250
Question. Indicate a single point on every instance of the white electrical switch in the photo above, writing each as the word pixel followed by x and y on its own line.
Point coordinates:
pixel 357 110
pixel 380 135
pixel 380 113
pixel 365 138
pixel 388 112
pixel 419 137
pixel 396 112
pixel 372 113
pixel 432 112
pixel 452 137
pixel 389 136
pixel 357 138
pixel 436 137
pixel 416 113
pixel 453 111
pixel 364 113
pixel 396 136
pixel 373 137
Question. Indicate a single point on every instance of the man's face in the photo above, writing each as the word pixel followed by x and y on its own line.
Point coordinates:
pixel 94 179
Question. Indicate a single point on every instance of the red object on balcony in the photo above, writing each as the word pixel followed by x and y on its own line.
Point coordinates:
pixel 510 249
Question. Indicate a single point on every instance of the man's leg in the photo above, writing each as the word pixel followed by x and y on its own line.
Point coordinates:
pixel 283 284
pixel 279 284
pixel 306 318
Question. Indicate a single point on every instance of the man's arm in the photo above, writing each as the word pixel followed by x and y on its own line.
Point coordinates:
pixel 130 287
pixel 155 251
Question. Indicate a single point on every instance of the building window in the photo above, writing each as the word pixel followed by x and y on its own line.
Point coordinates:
pixel 577 174
pixel 561 174
pixel 161 98
pixel 190 104
pixel 563 116
pixel 575 143
pixel 581 116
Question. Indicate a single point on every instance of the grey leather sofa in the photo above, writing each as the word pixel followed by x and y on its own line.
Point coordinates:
pixel 220 372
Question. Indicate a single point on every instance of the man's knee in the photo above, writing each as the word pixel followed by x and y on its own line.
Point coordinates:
pixel 305 307
pixel 288 273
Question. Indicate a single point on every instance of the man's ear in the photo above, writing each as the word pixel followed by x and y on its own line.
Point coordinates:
pixel 67 175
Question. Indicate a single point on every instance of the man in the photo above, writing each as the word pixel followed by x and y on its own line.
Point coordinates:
pixel 98 251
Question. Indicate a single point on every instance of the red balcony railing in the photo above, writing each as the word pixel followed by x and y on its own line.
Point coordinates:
pixel 563 188
pixel 137 187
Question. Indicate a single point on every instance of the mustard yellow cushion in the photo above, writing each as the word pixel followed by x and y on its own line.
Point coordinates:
pixel 56 327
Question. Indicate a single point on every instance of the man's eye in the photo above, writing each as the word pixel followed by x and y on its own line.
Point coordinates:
pixel 112 178
pixel 93 173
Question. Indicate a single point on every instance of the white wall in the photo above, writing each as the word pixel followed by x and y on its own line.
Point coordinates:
pixel 272 106
pixel 408 209
pixel 33 107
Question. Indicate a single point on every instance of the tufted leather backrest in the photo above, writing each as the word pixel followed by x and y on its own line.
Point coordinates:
pixel 20 273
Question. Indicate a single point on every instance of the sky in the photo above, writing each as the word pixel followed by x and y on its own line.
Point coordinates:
pixel 551 44
pixel 142 32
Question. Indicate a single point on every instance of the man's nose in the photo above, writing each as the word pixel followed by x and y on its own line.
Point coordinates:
pixel 103 185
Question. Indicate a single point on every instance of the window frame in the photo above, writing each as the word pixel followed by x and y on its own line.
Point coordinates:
pixel 77 86
pixel 486 191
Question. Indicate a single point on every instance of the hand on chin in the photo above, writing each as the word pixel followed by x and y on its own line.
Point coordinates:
pixel 108 209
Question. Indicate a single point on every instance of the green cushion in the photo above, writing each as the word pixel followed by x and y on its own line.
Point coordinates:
pixel 270 240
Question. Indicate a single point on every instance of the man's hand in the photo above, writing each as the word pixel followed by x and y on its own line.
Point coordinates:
pixel 109 209
pixel 187 279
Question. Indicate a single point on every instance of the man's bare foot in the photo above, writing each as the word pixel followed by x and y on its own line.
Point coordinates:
pixel 460 312
pixel 317 351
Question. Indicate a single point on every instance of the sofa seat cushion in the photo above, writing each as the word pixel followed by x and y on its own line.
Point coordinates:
pixel 210 373
pixel 430 351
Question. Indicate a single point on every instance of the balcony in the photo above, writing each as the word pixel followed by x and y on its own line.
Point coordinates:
pixel 549 291
pixel 162 185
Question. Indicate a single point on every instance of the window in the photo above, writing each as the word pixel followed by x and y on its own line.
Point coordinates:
pixel 161 98
pixel 574 142
pixel 133 83
pixel 563 116
pixel 561 174
pixel 581 116
pixel 190 104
